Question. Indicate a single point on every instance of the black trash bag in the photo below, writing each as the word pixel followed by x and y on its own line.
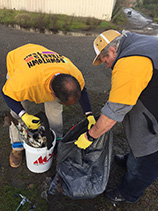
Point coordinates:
pixel 82 174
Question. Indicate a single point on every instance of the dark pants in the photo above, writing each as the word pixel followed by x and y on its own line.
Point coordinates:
pixel 141 173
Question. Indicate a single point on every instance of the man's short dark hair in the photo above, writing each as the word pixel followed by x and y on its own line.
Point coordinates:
pixel 66 86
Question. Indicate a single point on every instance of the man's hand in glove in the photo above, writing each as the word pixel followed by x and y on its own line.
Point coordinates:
pixel 82 142
pixel 32 122
pixel 91 120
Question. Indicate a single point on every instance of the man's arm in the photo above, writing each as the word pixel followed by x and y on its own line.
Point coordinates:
pixel 84 102
pixel 86 107
pixel 111 113
pixel 32 122
pixel 102 125
pixel 13 104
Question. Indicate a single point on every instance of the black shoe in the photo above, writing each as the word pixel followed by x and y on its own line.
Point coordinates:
pixel 114 195
pixel 121 160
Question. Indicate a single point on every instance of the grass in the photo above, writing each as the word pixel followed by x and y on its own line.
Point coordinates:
pixel 10 199
pixel 149 9
pixel 55 23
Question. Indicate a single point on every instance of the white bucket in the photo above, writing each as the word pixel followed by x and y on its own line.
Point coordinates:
pixel 39 160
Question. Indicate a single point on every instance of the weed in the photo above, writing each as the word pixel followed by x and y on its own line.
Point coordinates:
pixel 52 22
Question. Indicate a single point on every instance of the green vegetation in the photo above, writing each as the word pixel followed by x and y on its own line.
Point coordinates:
pixel 118 17
pixel 10 199
pixel 148 7
pixel 55 23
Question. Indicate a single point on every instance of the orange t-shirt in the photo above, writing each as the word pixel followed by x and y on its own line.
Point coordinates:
pixel 31 68
pixel 130 77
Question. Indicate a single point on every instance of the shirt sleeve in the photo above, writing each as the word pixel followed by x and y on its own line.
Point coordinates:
pixel 84 101
pixel 130 77
pixel 116 111
pixel 12 104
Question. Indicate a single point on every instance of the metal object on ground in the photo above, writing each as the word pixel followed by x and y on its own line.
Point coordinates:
pixel 23 201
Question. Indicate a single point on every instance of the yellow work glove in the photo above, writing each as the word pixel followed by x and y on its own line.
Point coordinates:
pixel 91 121
pixel 82 142
pixel 32 122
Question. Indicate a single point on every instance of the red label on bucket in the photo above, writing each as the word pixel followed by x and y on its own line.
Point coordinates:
pixel 42 161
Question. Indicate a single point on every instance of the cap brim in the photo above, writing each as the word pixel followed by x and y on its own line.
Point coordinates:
pixel 96 61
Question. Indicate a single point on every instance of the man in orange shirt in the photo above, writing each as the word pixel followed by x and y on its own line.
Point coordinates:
pixel 36 74
pixel 133 100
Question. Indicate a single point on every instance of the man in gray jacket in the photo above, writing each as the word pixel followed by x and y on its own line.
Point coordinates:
pixel 133 100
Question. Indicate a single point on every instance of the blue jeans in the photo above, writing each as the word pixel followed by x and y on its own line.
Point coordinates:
pixel 141 173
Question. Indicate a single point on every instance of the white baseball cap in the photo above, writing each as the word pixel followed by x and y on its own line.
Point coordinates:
pixel 102 41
